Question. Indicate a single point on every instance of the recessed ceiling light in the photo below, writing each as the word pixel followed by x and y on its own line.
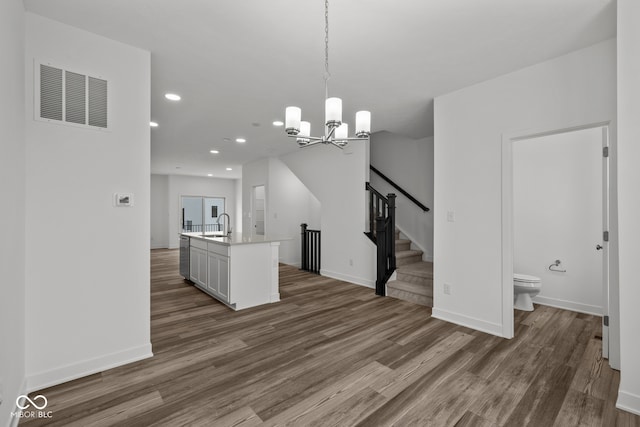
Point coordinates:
pixel 209 174
pixel 229 169
pixel 153 124
pixel 214 152
pixel 172 96
pixel 241 140
pixel 278 123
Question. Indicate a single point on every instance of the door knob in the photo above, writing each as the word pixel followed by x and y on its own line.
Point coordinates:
pixel 598 247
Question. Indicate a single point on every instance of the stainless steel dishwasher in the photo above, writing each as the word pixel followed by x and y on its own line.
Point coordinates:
pixel 184 257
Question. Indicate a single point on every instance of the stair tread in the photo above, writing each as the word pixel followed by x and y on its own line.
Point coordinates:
pixel 408 253
pixel 399 241
pixel 414 288
pixel 421 269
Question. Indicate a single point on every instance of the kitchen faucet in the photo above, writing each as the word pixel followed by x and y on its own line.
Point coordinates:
pixel 227 232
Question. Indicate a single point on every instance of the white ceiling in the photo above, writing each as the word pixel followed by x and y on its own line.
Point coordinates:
pixel 238 63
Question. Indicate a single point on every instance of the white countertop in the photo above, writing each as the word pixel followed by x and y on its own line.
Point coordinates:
pixel 237 238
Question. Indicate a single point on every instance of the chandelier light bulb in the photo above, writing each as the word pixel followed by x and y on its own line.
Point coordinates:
pixel 333 111
pixel 292 120
pixel 305 129
pixel 342 132
pixel 363 124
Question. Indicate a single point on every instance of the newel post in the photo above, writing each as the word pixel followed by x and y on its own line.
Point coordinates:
pixel 391 241
pixel 381 238
pixel 303 243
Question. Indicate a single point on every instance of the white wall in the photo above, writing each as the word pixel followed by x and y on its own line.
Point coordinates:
pixel 629 212
pixel 337 179
pixel 572 90
pixel 182 185
pixel 409 163
pixel 87 261
pixel 557 215
pixel 288 204
pixel 12 222
pixel 159 211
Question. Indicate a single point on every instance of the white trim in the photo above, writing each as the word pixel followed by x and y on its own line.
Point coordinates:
pixel 469 322
pixel 628 402
pixel 351 279
pixel 569 305
pixel 13 421
pixel 508 139
pixel 87 367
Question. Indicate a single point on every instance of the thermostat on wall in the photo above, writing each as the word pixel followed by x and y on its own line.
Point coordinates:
pixel 124 199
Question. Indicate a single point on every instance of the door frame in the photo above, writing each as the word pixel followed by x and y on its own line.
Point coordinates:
pixel 610 338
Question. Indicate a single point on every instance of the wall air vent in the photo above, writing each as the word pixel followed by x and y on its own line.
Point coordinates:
pixel 72 98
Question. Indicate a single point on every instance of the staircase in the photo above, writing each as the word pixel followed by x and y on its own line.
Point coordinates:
pixel 414 277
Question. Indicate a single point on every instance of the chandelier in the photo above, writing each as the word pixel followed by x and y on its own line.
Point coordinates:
pixel 336 132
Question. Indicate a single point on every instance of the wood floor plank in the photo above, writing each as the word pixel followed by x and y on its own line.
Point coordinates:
pixel 332 353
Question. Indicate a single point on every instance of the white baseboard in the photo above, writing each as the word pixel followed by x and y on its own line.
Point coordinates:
pixel 351 279
pixel 13 421
pixel 628 402
pixel 159 246
pixel 568 305
pixel 84 368
pixel 293 263
pixel 469 322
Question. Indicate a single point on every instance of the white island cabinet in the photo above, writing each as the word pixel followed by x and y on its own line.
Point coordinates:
pixel 241 271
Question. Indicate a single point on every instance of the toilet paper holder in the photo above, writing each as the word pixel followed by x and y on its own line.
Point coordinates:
pixel 556 264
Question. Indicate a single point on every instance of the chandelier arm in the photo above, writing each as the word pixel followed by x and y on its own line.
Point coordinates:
pixel 311 138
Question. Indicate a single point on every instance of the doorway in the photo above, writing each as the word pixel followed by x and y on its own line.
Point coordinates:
pixel 258 206
pixel 555 215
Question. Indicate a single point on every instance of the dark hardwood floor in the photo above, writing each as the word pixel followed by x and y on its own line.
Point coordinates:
pixel 332 353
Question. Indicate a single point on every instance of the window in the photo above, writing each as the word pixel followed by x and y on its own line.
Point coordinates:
pixel 200 214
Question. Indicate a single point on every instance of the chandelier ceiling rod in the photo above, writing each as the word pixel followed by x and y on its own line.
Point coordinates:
pixel 336 132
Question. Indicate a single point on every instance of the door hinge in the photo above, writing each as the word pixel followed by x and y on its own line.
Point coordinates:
pixel 605 236
pixel 605 151
pixel 605 320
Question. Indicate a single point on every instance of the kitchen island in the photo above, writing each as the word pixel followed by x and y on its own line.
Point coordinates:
pixel 241 271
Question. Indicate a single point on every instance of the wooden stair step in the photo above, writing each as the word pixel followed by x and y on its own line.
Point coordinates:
pixel 411 287
pixel 408 257
pixel 403 245
pixel 421 269
pixel 417 294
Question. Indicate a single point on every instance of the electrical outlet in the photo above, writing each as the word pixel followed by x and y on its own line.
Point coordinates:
pixel 446 289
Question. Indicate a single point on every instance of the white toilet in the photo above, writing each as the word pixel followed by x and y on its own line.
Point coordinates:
pixel 525 287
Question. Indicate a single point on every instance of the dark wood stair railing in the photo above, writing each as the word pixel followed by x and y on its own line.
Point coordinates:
pixel 400 189
pixel 310 243
pixel 382 228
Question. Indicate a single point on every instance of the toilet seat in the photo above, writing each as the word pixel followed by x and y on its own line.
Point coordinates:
pixel 525 278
